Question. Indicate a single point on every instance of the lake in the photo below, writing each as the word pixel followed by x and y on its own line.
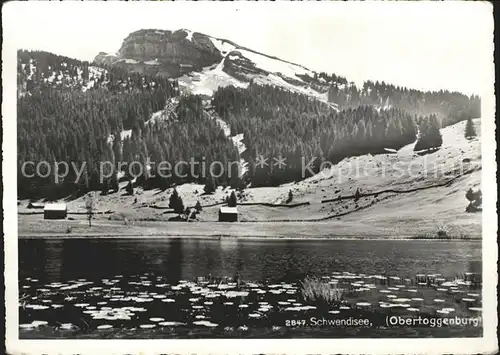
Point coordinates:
pixel 238 288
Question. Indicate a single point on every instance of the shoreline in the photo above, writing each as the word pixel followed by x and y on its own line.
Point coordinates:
pixel 34 228
pixel 230 237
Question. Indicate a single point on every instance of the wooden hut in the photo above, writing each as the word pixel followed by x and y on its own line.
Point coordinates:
pixel 228 214
pixel 55 211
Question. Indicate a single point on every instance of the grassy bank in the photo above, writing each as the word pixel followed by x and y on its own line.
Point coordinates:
pixel 35 226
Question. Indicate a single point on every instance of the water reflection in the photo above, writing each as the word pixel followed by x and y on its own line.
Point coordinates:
pixel 290 260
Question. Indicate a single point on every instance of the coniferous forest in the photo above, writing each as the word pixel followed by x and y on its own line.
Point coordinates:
pixel 76 112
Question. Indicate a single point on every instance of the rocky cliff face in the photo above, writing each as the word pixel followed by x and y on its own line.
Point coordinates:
pixel 202 63
pixel 163 52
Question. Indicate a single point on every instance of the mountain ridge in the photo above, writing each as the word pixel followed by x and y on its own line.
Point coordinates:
pixel 164 52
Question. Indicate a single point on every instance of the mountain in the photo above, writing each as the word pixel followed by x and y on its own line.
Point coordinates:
pixel 202 63
pixel 176 96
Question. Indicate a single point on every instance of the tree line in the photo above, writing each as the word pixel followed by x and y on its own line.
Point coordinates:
pixel 70 120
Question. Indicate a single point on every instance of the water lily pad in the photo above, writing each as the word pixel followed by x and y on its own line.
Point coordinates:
pixel 36 306
pixel 475 309
pixel 468 299
pixel 168 300
pixel 228 303
pixel 104 326
pixel 147 326
pixel 156 320
pixel 171 324
pixel 441 311
pixel 67 326
pixel 344 307
pixel 401 300
pixel 243 306
pixel 411 309
pixel 334 312
pixel 438 300
pixel 363 304
pixel 417 299
pixel 392 296
pixel 473 294
pixel 205 323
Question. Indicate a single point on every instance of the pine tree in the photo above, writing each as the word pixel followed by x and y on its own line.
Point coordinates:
pixel 209 185
pixel 176 203
pixel 90 207
pixel 430 136
pixel 469 195
pixel 232 200
pixel 470 131
pixel 130 188
pixel 198 206
pixel 290 197
pixel 105 188
pixel 114 183
pixel 357 195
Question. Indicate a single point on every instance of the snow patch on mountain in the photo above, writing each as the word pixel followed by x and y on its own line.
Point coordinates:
pixel 189 35
pixel 275 65
pixel 238 142
pixel 168 111
pixel 223 47
pixel 209 80
pixel 275 80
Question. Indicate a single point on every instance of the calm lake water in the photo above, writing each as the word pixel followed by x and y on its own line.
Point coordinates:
pixel 288 260
pixel 185 288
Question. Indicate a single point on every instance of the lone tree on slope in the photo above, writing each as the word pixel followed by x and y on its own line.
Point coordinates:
pixel 176 202
pixel 232 201
pixel 90 207
pixel 475 199
pixel 357 195
pixel 470 131
pixel 209 185
pixel 430 136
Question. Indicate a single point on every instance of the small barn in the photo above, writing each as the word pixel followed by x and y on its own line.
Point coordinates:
pixel 228 214
pixel 55 211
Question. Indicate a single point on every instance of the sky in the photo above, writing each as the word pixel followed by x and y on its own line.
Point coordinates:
pixel 422 45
